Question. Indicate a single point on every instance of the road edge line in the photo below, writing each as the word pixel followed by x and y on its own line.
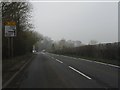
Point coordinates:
pixel 112 65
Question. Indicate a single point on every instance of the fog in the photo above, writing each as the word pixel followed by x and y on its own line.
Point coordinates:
pixel 83 21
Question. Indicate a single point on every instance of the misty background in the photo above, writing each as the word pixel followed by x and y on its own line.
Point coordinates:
pixel 63 28
pixel 83 21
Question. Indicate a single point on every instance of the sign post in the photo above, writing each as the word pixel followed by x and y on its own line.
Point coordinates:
pixel 10 32
pixel 10 29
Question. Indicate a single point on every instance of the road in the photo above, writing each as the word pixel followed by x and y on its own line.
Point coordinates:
pixel 56 71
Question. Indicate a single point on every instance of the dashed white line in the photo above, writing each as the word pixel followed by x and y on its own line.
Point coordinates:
pixel 79 72
pixel 59 61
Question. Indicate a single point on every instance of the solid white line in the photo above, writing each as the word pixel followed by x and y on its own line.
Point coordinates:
pixel 101 63
pixel 79 72
pixel 107 64
pixel 42 52
pixel 92 61
pixel 113 65
pixel 59 61
pixel 74 58
pixel 85 60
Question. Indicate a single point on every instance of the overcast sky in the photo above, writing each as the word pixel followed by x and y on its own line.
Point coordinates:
pixel 82 21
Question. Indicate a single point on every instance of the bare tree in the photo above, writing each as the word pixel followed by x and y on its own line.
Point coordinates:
pixel 93 42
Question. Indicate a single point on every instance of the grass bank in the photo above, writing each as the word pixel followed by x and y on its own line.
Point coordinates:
pixel 11 66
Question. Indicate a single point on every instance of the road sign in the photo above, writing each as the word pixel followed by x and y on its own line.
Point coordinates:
pixel 11 23
pixel 10 29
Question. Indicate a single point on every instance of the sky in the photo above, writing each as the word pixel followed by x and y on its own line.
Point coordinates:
pixel 83 21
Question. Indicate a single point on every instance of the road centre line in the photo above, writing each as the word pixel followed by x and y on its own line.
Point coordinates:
pixel 58 60
pixel 79 72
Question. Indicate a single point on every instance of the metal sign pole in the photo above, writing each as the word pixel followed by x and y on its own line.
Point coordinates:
pixel 12 50
pixel 11 46
pixel 8 47
pixel 10 32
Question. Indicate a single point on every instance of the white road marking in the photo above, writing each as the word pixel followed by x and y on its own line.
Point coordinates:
pixel 92 61
pixel 59 61
pixel 113 65
pixel 85 59
pixel 52 57
pixel 74 58
pixel 101 63
pixel 79 72
pixel 42 52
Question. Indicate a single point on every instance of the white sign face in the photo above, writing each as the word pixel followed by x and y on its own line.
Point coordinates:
pixel 10 31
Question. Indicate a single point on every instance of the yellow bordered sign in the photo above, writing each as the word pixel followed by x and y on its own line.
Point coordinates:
pixel 10 29
pixel 11 23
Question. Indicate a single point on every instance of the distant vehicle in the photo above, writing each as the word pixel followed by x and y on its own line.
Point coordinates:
pixel 43 50
pixel 33 51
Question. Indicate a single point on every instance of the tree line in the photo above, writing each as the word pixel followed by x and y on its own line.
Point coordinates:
pixel 108 51
pixel 19 12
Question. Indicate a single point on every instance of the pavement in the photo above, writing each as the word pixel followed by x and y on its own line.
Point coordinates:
pixel 57 71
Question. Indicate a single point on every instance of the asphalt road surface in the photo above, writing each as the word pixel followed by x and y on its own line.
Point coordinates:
pixel 56 71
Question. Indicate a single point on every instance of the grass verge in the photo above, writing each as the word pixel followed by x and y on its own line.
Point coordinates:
pixel 11 66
